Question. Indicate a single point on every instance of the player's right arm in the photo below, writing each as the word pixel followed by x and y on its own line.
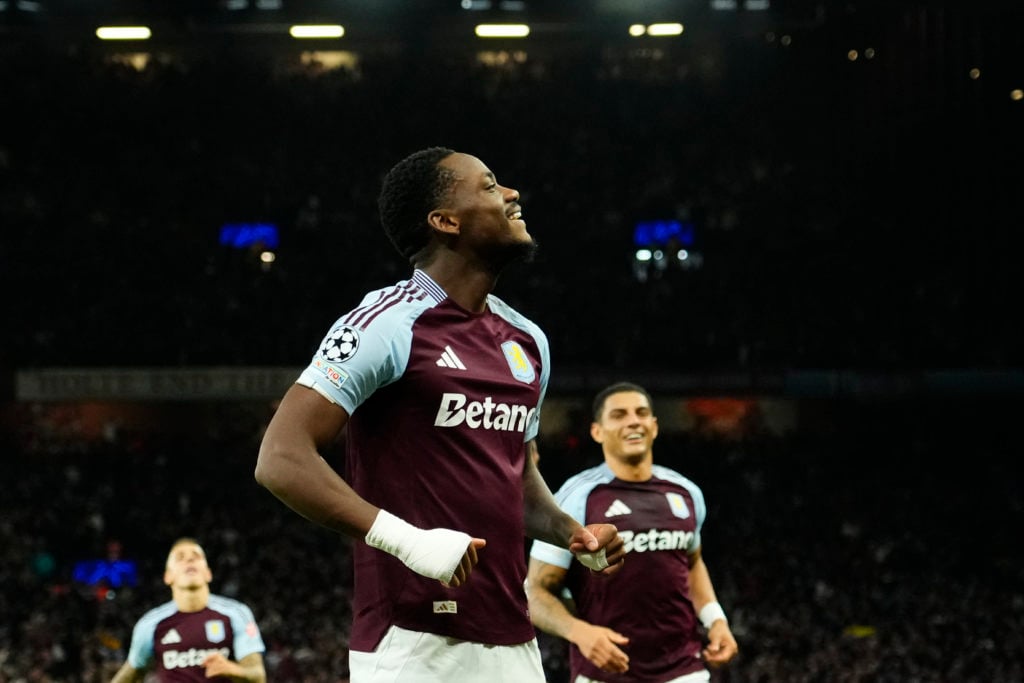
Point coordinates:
pixel 549 613
pixel 128 674
pixel 290 466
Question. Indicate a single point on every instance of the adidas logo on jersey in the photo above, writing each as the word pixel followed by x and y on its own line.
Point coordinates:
pixel 617 508
pixel 448 359
pixel 171 637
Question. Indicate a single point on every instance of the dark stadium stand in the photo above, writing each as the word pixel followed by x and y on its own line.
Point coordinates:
pixel 880 542
pixel 850 214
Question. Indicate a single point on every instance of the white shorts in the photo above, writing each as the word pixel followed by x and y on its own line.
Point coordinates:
pixel 405 656
pixel 695 677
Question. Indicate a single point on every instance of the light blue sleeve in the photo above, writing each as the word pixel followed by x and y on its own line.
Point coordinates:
pixel 140 653
pixel 247 634
pixel 533 429
pixel 352 362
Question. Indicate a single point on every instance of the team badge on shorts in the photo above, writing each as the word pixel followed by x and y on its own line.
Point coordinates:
pixel 518 363
pixel 215 631
pixel 340 344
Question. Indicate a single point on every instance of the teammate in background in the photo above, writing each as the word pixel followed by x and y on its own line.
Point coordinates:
pixel 643 626
pixel 197 636
pixel 439 385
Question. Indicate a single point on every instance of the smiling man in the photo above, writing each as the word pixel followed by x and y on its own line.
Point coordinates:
pixel 437 385
pixel 644 625
pixel 197 636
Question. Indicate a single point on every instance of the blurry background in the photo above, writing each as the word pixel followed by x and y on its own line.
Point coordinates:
pixel 798 223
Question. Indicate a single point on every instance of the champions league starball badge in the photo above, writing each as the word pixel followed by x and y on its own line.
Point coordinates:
pixel 340 344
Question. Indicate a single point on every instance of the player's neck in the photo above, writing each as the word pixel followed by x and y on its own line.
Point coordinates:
pixel 191 599
pixel 466 285
pixel 631 469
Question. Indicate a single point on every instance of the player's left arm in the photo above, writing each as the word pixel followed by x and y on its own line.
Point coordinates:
pixel 721 645
pixel 248 668
pixel 546 521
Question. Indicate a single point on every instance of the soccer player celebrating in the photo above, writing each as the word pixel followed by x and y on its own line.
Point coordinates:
pixel 438 385
pixel 197 636
pixel 643 626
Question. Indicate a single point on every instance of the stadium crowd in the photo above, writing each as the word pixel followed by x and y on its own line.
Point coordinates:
pixel 876 543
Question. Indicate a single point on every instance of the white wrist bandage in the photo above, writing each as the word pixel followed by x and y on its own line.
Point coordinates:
pixel 710 613
pixel 595 561
pixel 434 553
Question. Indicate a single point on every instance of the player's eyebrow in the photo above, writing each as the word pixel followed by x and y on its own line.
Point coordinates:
pixel 640 410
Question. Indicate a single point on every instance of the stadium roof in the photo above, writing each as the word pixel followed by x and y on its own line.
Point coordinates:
pixel 549 19
pixel 380 25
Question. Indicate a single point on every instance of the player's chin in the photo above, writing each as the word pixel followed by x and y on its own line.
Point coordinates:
pixel 524 248
pixel 517 228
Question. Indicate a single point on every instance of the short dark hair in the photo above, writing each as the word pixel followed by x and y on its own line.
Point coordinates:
pixel 617 388
pixel 413 188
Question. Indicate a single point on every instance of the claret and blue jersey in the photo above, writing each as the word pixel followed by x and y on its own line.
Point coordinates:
pixel 175 643
pixel 660 521
pixel 441 403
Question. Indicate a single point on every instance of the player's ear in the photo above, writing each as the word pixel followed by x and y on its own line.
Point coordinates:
pixel 444 221
pixel 596 433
